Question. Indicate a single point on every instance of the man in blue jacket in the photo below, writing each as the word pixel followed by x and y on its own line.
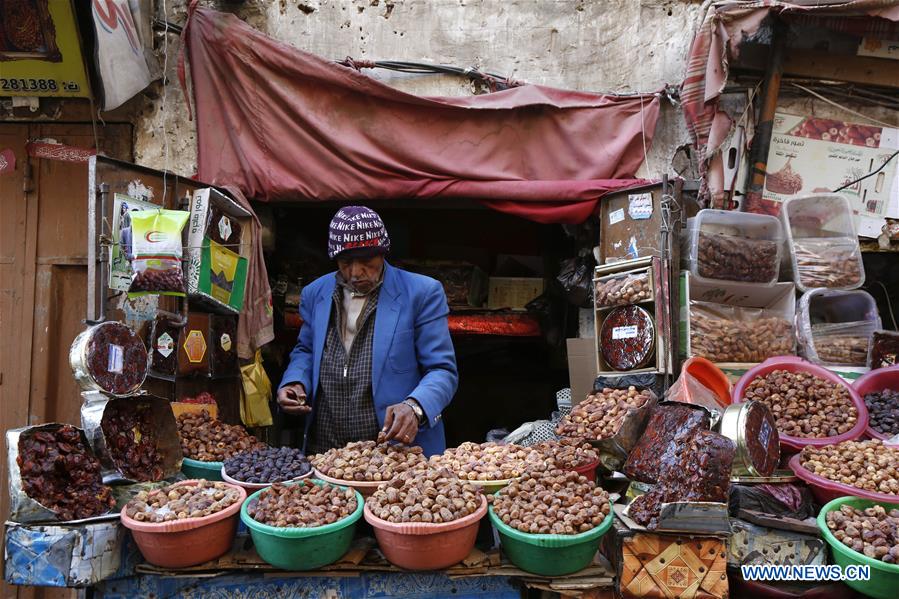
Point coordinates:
pixel 374 358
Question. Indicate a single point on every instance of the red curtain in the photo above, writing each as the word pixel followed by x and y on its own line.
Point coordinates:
pixel 285 125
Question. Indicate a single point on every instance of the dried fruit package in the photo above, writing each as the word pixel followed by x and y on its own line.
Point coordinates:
pixel 157 250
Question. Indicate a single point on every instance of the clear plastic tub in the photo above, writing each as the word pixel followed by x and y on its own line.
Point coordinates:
pixel 723 333
pixel 623 289
pixel 734 246
pixel 834 327
pixel 822 242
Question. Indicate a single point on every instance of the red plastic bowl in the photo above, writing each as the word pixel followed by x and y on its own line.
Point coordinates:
pixel 871 382
pixel 188 542
pixel 588 470
pixel 425 546
pixel 826 490
pixel 794 364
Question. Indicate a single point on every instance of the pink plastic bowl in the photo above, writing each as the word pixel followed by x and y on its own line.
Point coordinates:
pixel 424 546
pixel 188 542
pixel 871 382
pixel 794 364
pixel 826 490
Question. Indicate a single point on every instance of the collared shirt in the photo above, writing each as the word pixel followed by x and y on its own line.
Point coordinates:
pixel 345 409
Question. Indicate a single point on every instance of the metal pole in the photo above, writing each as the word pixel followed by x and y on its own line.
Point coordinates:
pixel 761 141
pixel 105 250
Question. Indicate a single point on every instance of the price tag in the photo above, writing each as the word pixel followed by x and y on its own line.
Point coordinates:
pixel 640 206
pixel 116 359
pixel 616 216
pixel 628 332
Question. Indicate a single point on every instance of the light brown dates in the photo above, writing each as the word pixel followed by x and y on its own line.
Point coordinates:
pixel 206 439
pixel 178 502
pixel 302 505
pixel 552 502
pixel 602 413
pixel 435 496
pixel 490 461
pixel 868 465
pixel 367 461
pixel 873 531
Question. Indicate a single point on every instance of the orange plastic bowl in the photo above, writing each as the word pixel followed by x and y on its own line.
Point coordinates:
pixel 188 542
pixel 426 546
pixel 366 487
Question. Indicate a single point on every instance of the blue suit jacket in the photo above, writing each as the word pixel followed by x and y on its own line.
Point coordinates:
pixel 412 356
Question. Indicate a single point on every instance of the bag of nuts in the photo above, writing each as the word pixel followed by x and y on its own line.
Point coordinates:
pixel 722 333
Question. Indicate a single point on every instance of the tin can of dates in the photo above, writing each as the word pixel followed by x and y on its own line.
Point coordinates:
pixel 156 414
pixel 23 508
pixel 627 338
pixel 111 358
pixel 752 428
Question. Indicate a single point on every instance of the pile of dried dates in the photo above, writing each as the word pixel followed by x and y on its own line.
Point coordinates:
pixel 302 505
pixel 623 290
pixel 868 465
pixel 733 258
pixel 803 404
pixel 158 281
pixel 602 413
pixel 552 502
pixel 130 434
pixel 367 461
pixel 568 453
pixel 872 531
pixel 434 496
pixel 490 461
pixel 181 501
pixel 60 473
pixel 269 465
pixel 206 439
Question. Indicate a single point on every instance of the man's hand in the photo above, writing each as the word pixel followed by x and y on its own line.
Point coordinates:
pixel 400 424
pixel 292 399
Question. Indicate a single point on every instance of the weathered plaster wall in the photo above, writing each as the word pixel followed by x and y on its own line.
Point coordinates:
pixel 590 45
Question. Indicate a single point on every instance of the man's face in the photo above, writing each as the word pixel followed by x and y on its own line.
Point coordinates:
pixel 362 274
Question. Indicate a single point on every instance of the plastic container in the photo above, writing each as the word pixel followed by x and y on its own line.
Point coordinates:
pixel 302 548
pixel 872 382
pixel 701 383
pixel 366 488
pixel 822 242
pixel 425 546
pixel 188 542
pixel 622 289
pixel 826 316
pixel 884 580
pixel 724 245
pixel 588 470
pixel 723 333
pixel 196 469
pixel 253 487
pixel 794 364
pixel 825 490
pixel 550 555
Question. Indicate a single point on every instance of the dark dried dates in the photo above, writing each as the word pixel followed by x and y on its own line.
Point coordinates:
pixel 433 497
pixel 130 435
pixel 58 472
pixel 269 465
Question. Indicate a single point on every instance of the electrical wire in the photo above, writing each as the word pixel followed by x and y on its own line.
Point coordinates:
pixel 840 106
pixel 871 174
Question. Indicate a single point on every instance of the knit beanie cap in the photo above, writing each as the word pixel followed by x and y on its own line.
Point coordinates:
pixel 359 230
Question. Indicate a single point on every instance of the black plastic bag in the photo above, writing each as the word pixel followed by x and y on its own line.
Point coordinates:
pixel 576 277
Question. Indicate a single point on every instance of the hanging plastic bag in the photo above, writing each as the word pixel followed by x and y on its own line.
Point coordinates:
pixel 576 277
pixel 255 393
pixel 157 251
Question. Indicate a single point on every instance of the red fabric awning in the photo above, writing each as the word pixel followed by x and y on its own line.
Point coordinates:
pixel 285 125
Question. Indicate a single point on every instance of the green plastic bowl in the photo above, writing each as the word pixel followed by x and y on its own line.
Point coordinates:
pixel 197 469
pixel 550 555
pixel 884 580
pixel 302 548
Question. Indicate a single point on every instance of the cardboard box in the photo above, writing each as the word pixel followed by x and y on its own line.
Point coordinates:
pixel 219 243
pixel 661 363
pixel 59 555
pixel 581 368
pixel 512 292
pixel 780 298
